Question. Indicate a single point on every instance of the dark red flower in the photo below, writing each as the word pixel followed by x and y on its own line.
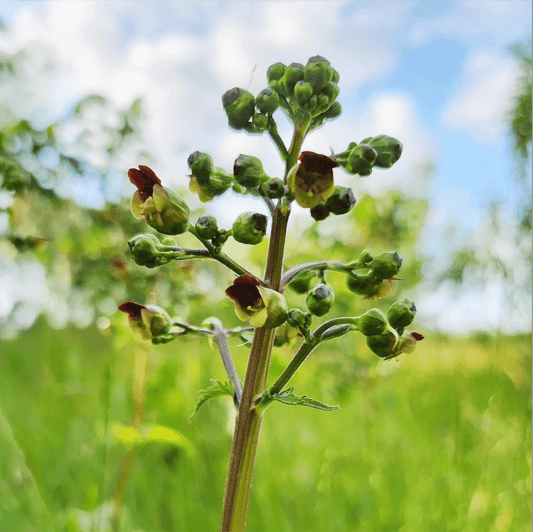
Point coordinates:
pixel 144 179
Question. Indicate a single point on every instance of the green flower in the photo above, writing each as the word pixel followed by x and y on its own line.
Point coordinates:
pixel 257 305
pixel 401 314
pixel 341 201
pixel 158 206
pixel 201 165
pixel 310 181
pixel 372 322
pixel 320 300
pixel 248 171
pixel 149 321
pixel 207 227
pixel 250 228
pixel 239 105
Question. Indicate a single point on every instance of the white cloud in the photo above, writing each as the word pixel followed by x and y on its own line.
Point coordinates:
pixel 483 96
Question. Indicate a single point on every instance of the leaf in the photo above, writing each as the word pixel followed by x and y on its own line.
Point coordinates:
pixel 216 389
pixel 288 398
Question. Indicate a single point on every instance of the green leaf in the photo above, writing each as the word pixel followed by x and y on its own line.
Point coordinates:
pixel 216 389
pixel 288 398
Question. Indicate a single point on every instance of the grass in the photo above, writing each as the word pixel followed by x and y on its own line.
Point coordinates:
pixel 439 440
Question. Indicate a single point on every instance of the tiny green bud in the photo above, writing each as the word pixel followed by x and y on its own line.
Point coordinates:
pixel 302 282
pixel 248 171
pixel 372 322
pixel 388 150
pixel 401 314
pixel 250 228
pixel 299 319
pixel 320 300
pixel 267 101
pixel 320 212
pixel 357 284
pixel 383 345
pixel 360 160
pixel 366 257
pixel 207 227
pixel 259 124
pixel 239 105
pixel 386 265
pixel 148 320
pixel 302 92
pixel 318 72
pixel 220 238
pixel 273 188
pixel 144 250
pixel 293 74
pixel 201 165
pixel 275 72
pixel 341 201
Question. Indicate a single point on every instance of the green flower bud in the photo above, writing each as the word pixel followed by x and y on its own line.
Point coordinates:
pixel 158 206
pixel 302 92
pixel 386 265
pixel 383 345
pixel 273 188
pixel 401 314
pixel 358 284
pixel 365 257
pixel 293 74
pixel 144 250
pixel 299 319
pixel 285 334
pixel 220 238
pixel 275 72
pixel 248 171
pixel 320 212
pixel 206 227
pixel 341 201
pixel 250 228
pixel 302 282
pixel 336 76
pixel 267 101
pixel 201 165
pixel 239 105
pixel 310 181
pixel 361 160
pixel 257 305
pixel 259 124
pixel 408 341
pixel 320 300
pixel 388 150
pixel 318 72
pixel 148 320
pixel 168 241
pixel 372 322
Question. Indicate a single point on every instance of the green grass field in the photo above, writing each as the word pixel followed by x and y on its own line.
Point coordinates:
pixel 439 440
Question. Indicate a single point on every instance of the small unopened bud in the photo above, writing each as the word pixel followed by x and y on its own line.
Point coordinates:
pixel 318 72
pixel 302 282
pixel 401 314
pixel 275 72
pixel 207 227
pixel 201 165
pixel 273 188
pixel 144 250
pixel 239 105
pixel 383 345
pixel 250 228
pixel 388 149
pixel 365 257
pixel 299 319
pixel 248 171
pixel 148 320
pixel 267 101
pixel 361 160
pixel 386 265
pixel 292 75
pixel 320 212
pixel 372 322
pixel 320 300
pixel 302 92
pixel 341 201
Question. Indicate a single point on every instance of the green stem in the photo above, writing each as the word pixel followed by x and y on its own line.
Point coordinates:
pixel 277 140
pixel 248 424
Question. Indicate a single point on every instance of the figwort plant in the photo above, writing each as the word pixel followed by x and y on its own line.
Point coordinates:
pixel 307 95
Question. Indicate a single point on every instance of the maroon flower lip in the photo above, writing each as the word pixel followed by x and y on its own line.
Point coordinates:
pixel 132 309
pixel 418 336
pixel 316 162
pixel 244 292
pixel 144 179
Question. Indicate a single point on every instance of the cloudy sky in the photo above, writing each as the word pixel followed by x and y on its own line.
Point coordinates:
pixel 436 75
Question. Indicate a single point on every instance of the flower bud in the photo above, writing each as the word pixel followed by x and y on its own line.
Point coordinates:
pixel 285 334
pixel 292 75
pixel 302 92
pixel 372 322
pixel 257 305
pixel 275 72
pixel 386 265
pixel 299 319
pixel 267 101
pixel 388 150
pixel 273 188
pixel 302 282
pixel 408 341
pixel 358 284
pixel 361 160
pixel 220 238
pixel 250 228
pixel 383 345
pixel 144 250
pixel 320 212
pixel 206 227
pixel 318 72
pixel 239 105
pixel 201 165
pixel 310 181
pixel 401 314
pixel 341 201
pixel 158 206
pixel 320 300
pixel 365 257
pixel 148 320
pixel 248 171
pixel 258 125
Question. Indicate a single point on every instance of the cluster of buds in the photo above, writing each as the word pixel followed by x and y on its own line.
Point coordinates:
pixel 148 250
pixel 206 180
pixel 380 152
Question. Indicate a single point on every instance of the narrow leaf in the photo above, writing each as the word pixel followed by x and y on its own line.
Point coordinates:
pixel 288 398
pixel 217 389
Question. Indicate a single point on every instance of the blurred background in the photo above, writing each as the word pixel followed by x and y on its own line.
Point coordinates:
pixel 95 425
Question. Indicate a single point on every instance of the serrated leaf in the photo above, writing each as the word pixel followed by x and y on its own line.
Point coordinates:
pixel 288 398
pixel 217 389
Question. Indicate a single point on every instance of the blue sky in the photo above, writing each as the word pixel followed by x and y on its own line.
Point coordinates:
pixel 437 75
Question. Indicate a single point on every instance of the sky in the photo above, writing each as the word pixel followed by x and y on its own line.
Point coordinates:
pixel 436 75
